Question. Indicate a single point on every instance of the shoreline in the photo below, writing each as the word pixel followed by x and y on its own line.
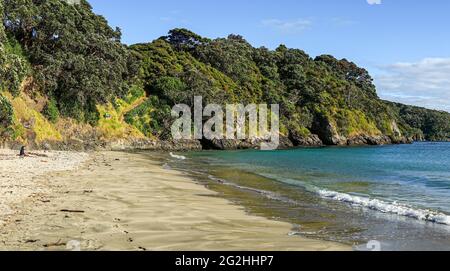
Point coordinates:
pixel 126 201
pixel 139 144
pixel 339 202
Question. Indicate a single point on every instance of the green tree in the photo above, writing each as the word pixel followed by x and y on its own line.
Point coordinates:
pixel 6 113
pixel 13 66
pixel 184 39
pixel 316 95
pixel 172 89
pixel 51 111
pixel 76 57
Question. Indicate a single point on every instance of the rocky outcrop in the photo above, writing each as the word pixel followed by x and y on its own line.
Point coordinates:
pixel 144 144
pixel 395 130
pixel 192 145
pixel 307 141
pixel 232 144
pixel 327 132
pixel 114 145
pixel 361 140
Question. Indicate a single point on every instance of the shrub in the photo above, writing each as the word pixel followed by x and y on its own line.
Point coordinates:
pixel 51 111
pixel 6 113
pixel 171 88
pixel 152 118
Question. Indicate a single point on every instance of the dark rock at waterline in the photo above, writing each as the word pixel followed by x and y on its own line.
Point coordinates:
pixel 286 143
pixel 216 144
pixel 228 144
pixel 368 140
pixel 327 132
pixel 310 140
pixel 402 140
pixel 234 144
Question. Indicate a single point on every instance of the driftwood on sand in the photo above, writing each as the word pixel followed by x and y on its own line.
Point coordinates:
pixel 71 211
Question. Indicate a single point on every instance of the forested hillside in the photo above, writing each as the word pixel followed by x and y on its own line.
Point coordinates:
pixel 322 99
pixel 66 77
pixel 62 65
pixel 429 125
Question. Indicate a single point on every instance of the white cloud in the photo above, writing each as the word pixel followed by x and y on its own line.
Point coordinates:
pixel 374 2
pixel 284 26
pixel 423 83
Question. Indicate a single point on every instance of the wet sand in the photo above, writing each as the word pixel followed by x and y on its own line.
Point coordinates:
pixel 124 201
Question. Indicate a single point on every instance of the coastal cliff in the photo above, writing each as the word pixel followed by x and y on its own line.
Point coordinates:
pixel 69 83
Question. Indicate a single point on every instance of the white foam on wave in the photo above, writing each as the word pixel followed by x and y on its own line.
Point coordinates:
pixel 356 201
pixel 179 157
pixel 372 204
pixel 387 207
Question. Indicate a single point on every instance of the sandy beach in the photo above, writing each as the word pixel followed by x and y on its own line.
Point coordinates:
pixel 124 201
pixel 19 176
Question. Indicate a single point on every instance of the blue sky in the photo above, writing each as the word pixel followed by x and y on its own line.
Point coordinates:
pixel 405 44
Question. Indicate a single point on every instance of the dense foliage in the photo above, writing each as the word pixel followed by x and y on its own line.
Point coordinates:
pixel 77 63
pixel 77 58
pixel 429 125
pixel 51 111
pixel 13 65
pixel 6 113
pixel 312 92
pixel 152 118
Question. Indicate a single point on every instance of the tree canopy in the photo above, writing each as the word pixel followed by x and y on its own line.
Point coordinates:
pixel 76 57
pixel 13 66
pixel 77 61
pixel 312 92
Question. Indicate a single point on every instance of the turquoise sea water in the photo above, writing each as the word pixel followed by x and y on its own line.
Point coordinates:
pixel 399 195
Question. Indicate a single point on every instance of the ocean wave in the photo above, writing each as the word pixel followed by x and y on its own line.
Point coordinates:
pixel 365 202
pixel 387 207
pixel 179 157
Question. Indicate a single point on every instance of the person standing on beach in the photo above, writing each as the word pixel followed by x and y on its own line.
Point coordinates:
pixel 22 153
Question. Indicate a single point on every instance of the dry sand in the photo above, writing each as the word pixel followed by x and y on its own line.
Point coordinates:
pixel 123 201
pixel 18 176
